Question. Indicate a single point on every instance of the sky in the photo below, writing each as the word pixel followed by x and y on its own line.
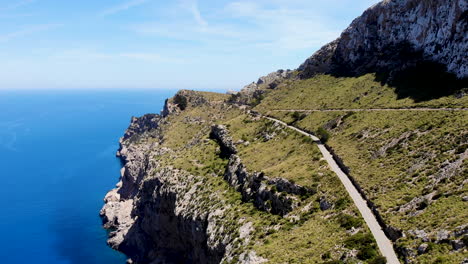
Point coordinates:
pixel 161 44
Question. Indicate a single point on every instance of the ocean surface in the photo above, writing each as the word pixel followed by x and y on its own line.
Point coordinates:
pixel 57 161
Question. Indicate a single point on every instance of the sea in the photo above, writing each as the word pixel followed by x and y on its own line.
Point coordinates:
pixel 57 162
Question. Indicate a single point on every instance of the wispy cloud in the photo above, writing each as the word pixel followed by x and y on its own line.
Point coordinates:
pixel 27 31
pixel 193 7
pixel 123 6
pixel 248 24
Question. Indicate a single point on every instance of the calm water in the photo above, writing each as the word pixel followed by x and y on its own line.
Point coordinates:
pixel 57 161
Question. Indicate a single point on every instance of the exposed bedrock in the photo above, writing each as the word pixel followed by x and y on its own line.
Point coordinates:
pixel 394 34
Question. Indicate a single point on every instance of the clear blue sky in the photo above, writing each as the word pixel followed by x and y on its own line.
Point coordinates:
pixel 180 44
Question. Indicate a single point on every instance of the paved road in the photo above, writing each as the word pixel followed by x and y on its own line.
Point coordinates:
pixel 384 244
pixel 370 109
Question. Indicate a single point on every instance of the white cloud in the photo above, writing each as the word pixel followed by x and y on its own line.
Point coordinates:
pixel 26 31
pixel 247 24
pixel 192 7
pixel 197 15
pixel 122 7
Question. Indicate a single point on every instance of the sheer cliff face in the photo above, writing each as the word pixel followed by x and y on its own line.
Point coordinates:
pixel 161 214
pixel 394 34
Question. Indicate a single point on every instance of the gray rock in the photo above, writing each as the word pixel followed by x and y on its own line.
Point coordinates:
pixel 433 30
pixel 221 135
pixel 442 235
pixel 461 230
pixel 457 244
pixel 324 204
pixel 422 248
pixel 421 234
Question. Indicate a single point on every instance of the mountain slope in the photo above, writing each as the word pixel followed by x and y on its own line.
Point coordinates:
pixel 211 181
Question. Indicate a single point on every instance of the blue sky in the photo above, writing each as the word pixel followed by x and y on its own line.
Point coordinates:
pixel 179 44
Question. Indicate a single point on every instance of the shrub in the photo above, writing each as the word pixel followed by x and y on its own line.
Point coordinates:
pixel 378 260
pixel 326 255
pixel 367 252
pixel 342 203
pixel 298 116
pixel 359 241
pixel 323 134
pixel 349 221
pixel 181 101
pixel 334 262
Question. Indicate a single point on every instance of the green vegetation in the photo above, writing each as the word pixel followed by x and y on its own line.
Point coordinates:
pixel 323 134
pixel 303 235
pixel 181 101
pixel 411 164
pixel 397 157
pixel 328 92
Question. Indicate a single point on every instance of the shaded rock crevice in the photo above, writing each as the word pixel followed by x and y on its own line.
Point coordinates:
pixel 274 195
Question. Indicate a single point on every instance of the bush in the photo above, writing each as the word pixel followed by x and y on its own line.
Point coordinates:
pixel 298 116
pixel 359 241
pixel 323 134
pixel 349 221
pixel 378 260
pixel 181 101
pixel 326 255
pixel 334 262
pixel 342 203
pixel 367 252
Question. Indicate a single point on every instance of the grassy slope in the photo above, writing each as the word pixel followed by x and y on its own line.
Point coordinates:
pixel 430 142
pixel 325 91
pixel 306 235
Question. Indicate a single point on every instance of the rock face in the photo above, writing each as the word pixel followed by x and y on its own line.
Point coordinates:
pixel 252 93
pixel 395 34
pixel 154 213
pixel 269 81
pixel 277 196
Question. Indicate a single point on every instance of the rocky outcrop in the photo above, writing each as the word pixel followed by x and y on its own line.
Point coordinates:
pixel 253 92
pixel 269 81
pixel 160 214
pixel 181 100
pixel 141 125
pixel 221 135
pixel 277 196
pixel 395 34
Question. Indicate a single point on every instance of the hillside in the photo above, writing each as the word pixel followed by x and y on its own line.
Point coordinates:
pixel 241 178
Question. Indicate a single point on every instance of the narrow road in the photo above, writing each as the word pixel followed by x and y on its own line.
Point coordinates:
pixel 370 109
pixel 384 244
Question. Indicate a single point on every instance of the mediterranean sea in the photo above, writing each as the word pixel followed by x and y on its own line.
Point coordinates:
pixel 57 162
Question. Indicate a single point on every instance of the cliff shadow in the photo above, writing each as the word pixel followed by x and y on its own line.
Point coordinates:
pixel 423 82
pixel 402 67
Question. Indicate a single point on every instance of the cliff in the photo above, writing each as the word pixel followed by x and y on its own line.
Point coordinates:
pixel 396 34
pixel 188 191
pixel 211 181
pixel 415 46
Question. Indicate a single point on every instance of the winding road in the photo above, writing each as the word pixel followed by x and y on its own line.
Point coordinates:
pixel 384 244
pixel 369 110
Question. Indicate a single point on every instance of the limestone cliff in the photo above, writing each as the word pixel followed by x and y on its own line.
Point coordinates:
pixel 154 213
pixel 395 38
pixel 395 34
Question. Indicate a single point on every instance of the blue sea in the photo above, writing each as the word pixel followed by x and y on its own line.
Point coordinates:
pixel 57 161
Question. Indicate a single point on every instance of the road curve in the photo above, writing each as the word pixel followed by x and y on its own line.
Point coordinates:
pixel 369 110
pixel 384 244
